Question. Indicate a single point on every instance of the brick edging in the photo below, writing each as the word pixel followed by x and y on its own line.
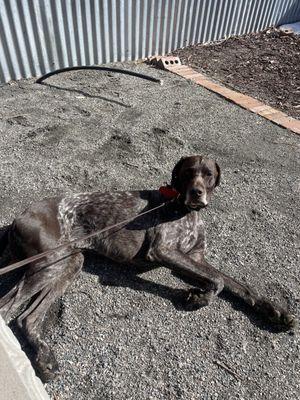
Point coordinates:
pixel 247 102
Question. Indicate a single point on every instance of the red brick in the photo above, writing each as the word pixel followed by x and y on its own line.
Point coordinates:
pixel 202 80
pixel 267 111
pixel 292 124
pixel 249 103
pixel 191 74
pixel 178 68
pixel 260 108
pixel 186 72
pixel 197 78
pixel 213 86
pixel 228 92
pixel 243 100
pixel 276 117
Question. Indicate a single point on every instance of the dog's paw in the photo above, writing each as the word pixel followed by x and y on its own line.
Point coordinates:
pixel 197 298
pixel 46 365
pixel 276 314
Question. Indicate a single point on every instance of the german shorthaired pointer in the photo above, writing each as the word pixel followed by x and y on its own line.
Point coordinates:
pixel 172 235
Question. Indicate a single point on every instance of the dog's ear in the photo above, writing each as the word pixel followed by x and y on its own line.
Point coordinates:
pixel 218 177
pixel 175 173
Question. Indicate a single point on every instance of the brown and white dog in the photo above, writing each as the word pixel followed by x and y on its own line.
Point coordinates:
pixel 172 235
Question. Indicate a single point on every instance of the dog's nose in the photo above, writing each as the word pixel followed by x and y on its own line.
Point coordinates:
pixel 196 192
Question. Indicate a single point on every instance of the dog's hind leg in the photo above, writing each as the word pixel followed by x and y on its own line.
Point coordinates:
pixel 31 319
pixel 38 276
pixel 9 301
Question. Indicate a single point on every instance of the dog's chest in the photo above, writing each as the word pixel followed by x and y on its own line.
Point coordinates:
pixel 191 233
pixel 183 234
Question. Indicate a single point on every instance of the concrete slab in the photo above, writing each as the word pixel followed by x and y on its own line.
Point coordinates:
pixel 17 378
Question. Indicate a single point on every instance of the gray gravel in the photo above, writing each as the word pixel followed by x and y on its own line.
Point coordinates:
pixel 127 338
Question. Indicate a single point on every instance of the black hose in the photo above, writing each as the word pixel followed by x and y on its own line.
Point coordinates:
pixel 108 69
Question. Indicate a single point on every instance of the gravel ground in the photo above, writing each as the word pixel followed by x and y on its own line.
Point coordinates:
pixel 120 336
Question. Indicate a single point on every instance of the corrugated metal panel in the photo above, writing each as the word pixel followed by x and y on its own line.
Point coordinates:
pixel 37 36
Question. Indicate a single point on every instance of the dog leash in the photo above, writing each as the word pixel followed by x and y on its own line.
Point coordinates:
pixel 167 192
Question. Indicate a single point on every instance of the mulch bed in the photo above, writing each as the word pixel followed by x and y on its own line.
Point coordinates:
pixel 264 65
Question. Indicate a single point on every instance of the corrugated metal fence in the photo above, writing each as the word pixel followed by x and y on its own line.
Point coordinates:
pixel 37 36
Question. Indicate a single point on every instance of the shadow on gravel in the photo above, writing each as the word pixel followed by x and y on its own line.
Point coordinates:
pixel 254 318
pixel 112 274
pixel 85 94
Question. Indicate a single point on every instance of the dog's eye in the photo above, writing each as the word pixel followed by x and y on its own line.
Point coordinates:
pixel 209 173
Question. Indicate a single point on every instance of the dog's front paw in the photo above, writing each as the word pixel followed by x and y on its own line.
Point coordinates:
pixel 276 314
pixel 197 298
pixel 46 365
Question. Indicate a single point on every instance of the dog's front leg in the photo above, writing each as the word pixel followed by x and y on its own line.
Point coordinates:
pixel 269 310
pixel 194 265
pixel 197 269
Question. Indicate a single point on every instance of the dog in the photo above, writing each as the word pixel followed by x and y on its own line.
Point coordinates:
pixel 172 235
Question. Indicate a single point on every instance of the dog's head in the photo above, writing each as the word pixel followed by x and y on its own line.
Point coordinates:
pixel 195 179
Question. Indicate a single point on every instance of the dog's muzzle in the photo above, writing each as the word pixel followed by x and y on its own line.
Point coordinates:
pixel 196 199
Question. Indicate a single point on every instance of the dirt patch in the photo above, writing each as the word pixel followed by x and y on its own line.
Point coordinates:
pixel 264 65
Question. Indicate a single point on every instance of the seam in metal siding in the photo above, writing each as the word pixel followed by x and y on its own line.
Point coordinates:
pixel 38 36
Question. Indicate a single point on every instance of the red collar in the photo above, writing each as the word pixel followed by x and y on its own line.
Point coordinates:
pixel 168 192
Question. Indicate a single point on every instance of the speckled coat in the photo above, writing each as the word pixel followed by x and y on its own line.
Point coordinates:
pixel 172 235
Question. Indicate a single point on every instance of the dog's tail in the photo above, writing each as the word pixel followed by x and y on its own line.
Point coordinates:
pixel 4 238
